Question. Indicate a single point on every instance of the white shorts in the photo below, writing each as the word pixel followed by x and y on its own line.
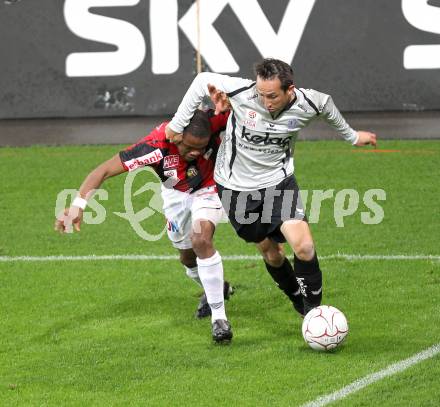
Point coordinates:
pixel 182 210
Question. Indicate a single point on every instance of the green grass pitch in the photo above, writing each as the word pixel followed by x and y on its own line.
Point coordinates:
pixel 122 333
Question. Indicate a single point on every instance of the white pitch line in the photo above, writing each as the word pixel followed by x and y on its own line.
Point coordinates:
pixel 374 377
pixel 137 257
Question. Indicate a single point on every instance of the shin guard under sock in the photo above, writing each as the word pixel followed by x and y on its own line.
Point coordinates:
pixel 309 277
pixel 211 275
pixel 284 277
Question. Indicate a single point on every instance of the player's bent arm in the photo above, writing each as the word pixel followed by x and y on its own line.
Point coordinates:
pixel 196 92
pixel 219 99
pixel 173 135
pixel 71 218
pixel 94 180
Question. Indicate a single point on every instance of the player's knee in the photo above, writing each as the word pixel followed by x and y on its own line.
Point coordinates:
pixel 305 249
pixel 201 243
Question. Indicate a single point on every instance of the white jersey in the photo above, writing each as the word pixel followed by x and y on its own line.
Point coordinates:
pixel 257 149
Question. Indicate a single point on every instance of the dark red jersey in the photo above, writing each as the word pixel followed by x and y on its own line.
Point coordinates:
pixel 163 156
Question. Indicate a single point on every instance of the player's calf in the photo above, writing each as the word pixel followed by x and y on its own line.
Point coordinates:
pixel 309 277
pixel 285 279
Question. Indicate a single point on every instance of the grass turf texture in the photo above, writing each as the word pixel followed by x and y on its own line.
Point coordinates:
pixel 123 332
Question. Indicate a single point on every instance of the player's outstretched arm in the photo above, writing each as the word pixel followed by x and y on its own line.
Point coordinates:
pixel 333 116
pixel 70 219
pixel 365 138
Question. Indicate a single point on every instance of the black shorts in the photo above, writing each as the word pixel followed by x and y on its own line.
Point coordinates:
pixel 258 214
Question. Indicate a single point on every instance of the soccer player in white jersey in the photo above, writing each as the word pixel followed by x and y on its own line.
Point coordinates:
pixel 255 167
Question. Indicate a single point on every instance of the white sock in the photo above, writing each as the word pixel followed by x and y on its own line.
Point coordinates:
pixel 211 275
pixel 193 274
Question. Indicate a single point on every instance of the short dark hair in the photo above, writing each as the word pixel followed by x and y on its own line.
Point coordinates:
pixel 199 125
pixel 270 68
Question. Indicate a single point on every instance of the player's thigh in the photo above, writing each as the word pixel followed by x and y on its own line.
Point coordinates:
pixel 177 210
pixel 206 212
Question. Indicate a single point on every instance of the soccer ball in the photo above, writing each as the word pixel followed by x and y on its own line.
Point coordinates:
pixel 324 328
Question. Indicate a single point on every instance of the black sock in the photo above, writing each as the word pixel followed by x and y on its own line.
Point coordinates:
pixel 309 277
pixel 286 281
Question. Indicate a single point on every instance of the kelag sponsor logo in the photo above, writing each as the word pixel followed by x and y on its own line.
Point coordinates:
pixel 265 140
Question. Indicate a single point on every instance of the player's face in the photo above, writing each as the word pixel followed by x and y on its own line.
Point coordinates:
pixel 191 147
pixel 272 96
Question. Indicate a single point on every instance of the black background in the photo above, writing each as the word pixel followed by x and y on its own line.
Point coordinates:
pixel 351 49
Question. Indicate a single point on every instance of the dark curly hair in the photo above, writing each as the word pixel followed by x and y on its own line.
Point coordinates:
pixel 199 126
pixel 270 68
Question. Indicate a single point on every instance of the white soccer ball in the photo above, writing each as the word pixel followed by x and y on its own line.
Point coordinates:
pixel 324 328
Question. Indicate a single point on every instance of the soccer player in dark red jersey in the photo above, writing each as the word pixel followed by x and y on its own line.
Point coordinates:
pixel 191 204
